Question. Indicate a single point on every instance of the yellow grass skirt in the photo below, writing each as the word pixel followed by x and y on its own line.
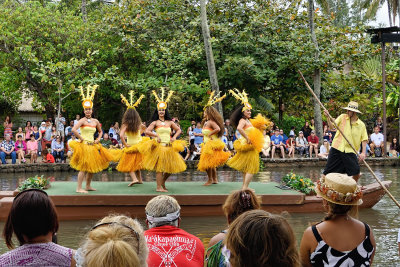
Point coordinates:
pixel 212 155
pixel 247 158
pixel 160 158
pixel 131 159
pixel 90 158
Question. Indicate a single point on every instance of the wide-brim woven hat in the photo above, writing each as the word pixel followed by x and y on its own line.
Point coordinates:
pixel 340 189
pixel 352 106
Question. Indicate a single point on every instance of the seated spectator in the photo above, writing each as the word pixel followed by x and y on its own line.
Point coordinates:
pixel 33 220
pixel 284 136
pixel 259 238
pixel 168 244
pixel 114 142
pixel 324 150
pixel 339 238
pixel 106 141
pixel 68 131
pixel 70 151
pixel 19 133
pixel 20 148
pixel 57 149
pixel 377 141
pixel 54 133
pixel 313 143
pixel 7 148
pixel 32 148
pixel 47 157
pixel 236 203
pixel 302 144
pixel 116 240
pixel 28 131
pixel 277 143
pixel 291 146
pixel 192 152
pixel 267 144
pixel 306 130
pixel 198 134
pixel 394 148
pixel 379 124
pixel 292 131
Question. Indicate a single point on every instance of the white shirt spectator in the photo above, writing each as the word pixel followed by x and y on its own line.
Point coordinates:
pixel 322 149
pixel 377 139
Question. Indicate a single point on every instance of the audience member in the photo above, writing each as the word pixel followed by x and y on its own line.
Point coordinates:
pixel 47 135
pixel 33 220
pixel 116 240
pixel 267 144
pixel 20 148
pixel 277 143
pixel 61 126
pixel 57 149
pixel 379 124
pixel 168 244
pixel 112 130
pixel 292 131
pixel 291 146
pixel 19 132
pixel 47 157
pixel 236 203
pixel 313 143
pixel 7 148
pixel 54 133
pixel 32 148
pixel 302 144
pixel 259 238
pixel 7 126
pixel 190 130
pixel 193 152
pixel 394 148
pixel 324 150
pixel 198 135
pixel 312 125
pixel 284 136
pixel 77 118
pixel 68 131
pixel 339 239
pixel 28 131
pixel 306 130
pixel 117 131
pixel 38 137
pixel 230 133
pixel 105 141
pixel 377 141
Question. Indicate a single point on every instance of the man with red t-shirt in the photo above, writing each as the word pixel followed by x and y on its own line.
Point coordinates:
pixel 313 141
pixel 168 244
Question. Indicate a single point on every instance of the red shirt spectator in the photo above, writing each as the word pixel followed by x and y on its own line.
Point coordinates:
pixel 171 246
pixel 50 158
pixel 313 139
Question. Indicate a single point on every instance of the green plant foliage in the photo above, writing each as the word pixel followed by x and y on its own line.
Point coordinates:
pixel 299 183
pixel 38 182
pixel 289 121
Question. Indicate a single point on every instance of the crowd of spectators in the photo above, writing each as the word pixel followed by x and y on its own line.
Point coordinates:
pixel 32 140
pixel 253 236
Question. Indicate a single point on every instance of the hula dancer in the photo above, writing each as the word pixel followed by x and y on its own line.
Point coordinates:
pixel 342 158
pixel 212 153
pixel 251 142
pixel 131 159
pixel 89 156
pixel 162 155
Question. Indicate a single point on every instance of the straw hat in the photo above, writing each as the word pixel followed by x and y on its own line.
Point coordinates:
pixel 339 188
pixel 352 106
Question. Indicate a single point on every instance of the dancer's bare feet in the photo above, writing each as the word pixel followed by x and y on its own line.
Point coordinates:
pixel 81 191
pixel 133 183
pixel 90 188
pixel 161 189
pixel 208 183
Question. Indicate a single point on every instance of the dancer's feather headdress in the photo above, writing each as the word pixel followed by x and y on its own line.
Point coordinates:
pixel 242 96
pixel 130 103
pixel 88 96
pixel 161 102
pixel 212 100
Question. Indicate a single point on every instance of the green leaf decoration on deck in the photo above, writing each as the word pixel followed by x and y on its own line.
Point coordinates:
pixel 299 183
pixel 37 182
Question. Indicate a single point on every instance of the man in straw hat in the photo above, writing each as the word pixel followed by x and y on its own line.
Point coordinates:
pixel 342 158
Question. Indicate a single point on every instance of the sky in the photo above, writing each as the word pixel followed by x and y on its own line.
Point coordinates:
pixel 382 17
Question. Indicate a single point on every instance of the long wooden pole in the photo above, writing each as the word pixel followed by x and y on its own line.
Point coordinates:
pixel 333 121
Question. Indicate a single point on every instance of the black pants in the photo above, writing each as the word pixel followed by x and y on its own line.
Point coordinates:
pixel 341 162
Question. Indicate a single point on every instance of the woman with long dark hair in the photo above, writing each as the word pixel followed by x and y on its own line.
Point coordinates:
pixel 212 154
pixel 251 142
pixel 89 156
pixel 132 127
pixel 162 153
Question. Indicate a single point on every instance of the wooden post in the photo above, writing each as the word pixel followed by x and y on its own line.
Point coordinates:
pixel 384 98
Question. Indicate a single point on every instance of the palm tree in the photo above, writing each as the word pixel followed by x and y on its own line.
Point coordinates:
pixel 372 7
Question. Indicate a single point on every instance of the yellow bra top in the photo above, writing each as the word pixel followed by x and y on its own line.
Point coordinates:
pixel 87 132
pixel 133 138
pixel 206 132
pixel 247 130
pixel 165 134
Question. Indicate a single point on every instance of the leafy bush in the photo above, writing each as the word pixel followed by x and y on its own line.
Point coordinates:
pixel 34 182
pixel 299 183
pixel 289 121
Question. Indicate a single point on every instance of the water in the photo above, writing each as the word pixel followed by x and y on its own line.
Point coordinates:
pixel 383 218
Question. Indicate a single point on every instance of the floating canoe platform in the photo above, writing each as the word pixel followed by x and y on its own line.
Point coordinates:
pixel 194 198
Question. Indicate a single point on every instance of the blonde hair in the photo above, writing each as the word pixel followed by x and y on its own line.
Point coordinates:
pixel 259 238
pixel 119 242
